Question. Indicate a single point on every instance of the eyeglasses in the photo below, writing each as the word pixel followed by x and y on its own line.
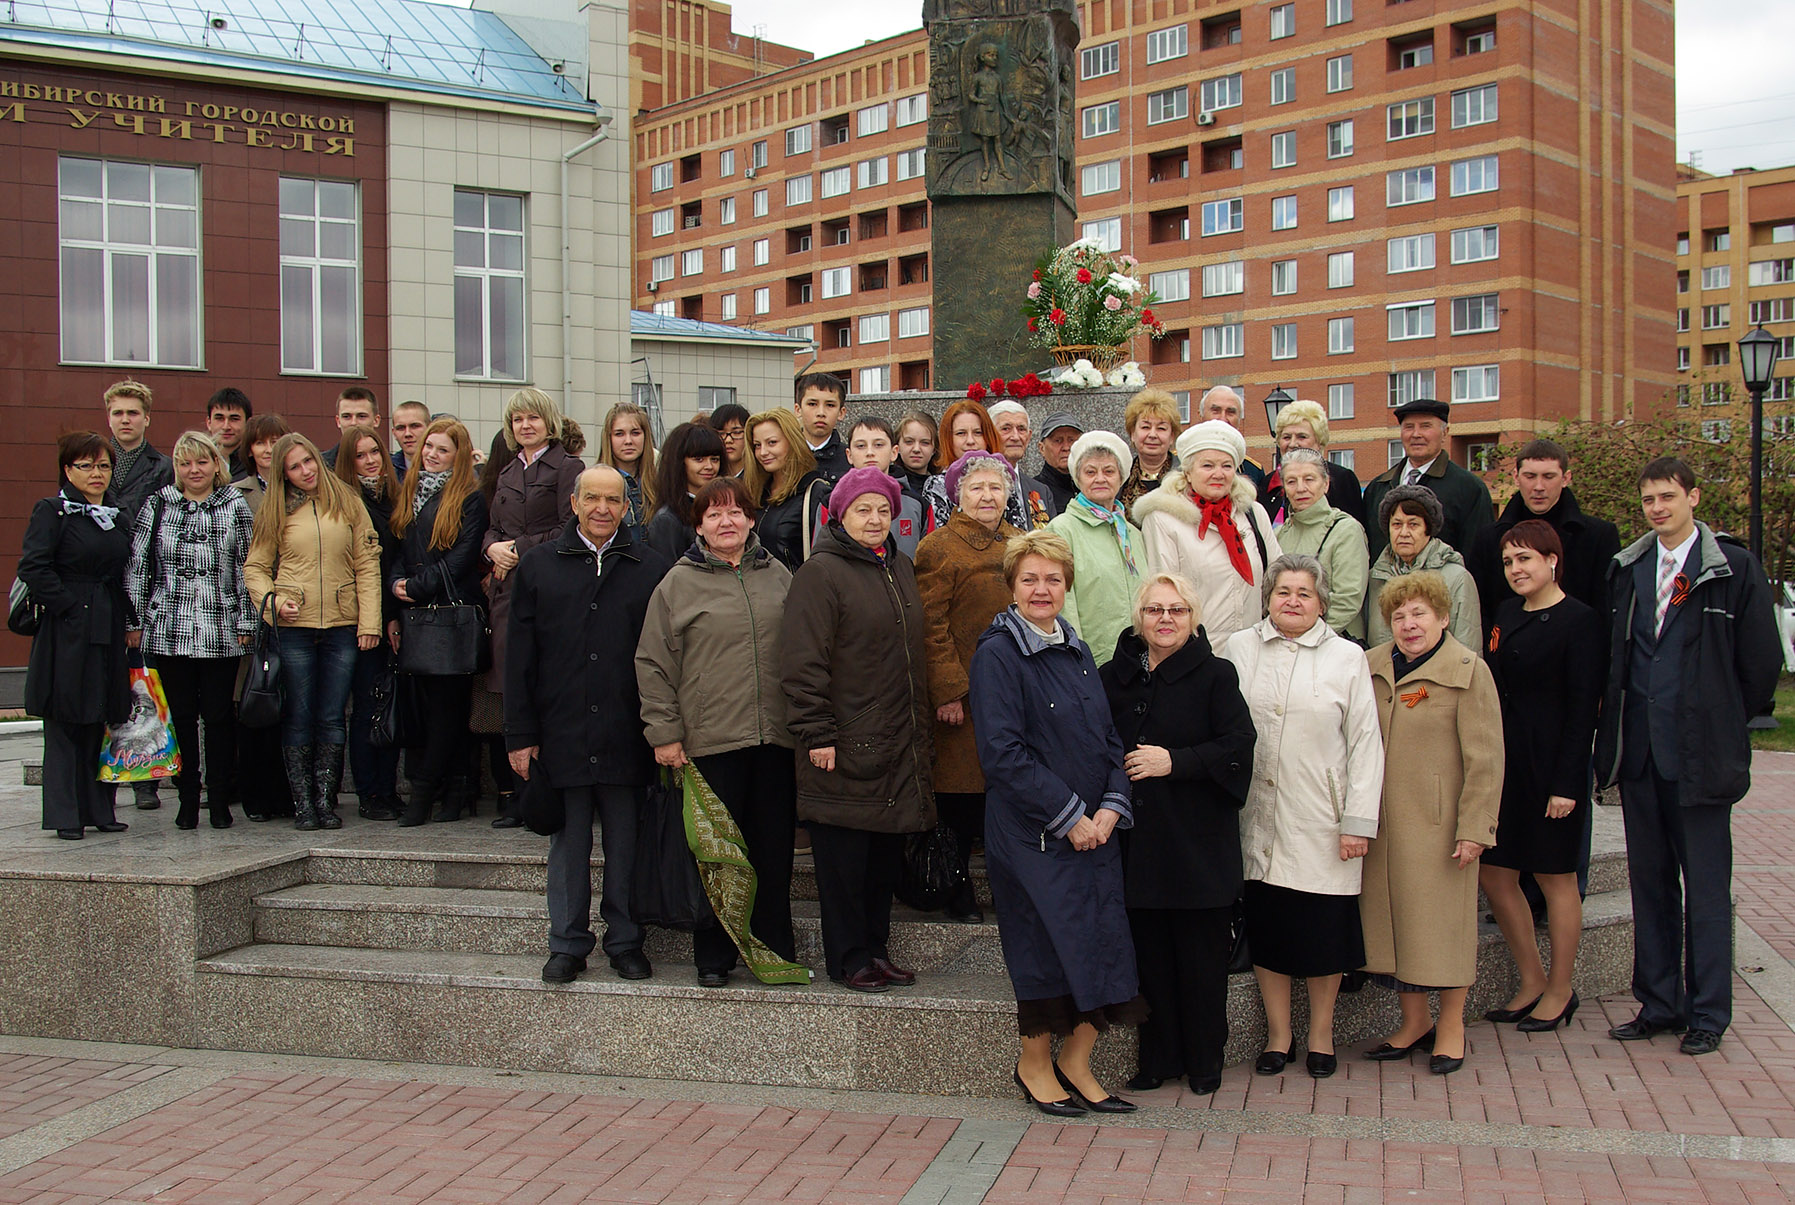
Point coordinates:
pixel 89 466
pixel 1179 611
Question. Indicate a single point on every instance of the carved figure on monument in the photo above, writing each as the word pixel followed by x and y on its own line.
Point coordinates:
pixel 986 120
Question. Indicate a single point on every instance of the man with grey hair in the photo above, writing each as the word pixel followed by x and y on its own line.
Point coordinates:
pixel 1225 404
pixel 1011 420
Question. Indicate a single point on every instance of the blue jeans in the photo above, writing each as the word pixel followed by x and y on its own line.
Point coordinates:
pixel 317 667
pixel 376 771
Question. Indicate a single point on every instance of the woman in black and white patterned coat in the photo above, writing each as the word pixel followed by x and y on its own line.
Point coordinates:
pixel 197 614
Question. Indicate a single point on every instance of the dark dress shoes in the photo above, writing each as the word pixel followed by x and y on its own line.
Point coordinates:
pixel 70 834
pixel 896 976
pixel 114 827
pixel 562 968
pixel 1143 1082
pixel 1547 1024
pixel 1109 1104
pixel 1322 1065
pixel 713 978
pixel 1273 1062
pixel 507 822
pixel 1386 1053
pixel 1639 1029
pixel 631 964
pixel 1068 1107
pixel 376 807
pixel 1445 1064
pixel 867 979
pixel 966 916
pixel 1700 1041
pixel 1204 1085
pixel 1508 1016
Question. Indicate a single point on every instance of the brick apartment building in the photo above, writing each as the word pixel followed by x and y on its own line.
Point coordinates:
pixel 1357 200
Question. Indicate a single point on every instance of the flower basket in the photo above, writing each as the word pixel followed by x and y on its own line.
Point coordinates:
pixel 1102 358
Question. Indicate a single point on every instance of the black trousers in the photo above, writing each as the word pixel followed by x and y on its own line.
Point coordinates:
pixel 74 797
pixel 617 810
pixel 856 874
pixel 759 787
pixel 965 814
pixel 262 785
pixel 200 689
pixel 1680 862
pixel 1182 957
pixel 442 705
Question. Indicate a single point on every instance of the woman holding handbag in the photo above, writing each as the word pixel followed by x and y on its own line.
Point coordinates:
pixel 365 466
pixel 186 583
pixel 315 551
pixel 439 521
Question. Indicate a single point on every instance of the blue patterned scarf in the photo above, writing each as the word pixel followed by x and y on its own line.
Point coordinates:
pixel 1117 518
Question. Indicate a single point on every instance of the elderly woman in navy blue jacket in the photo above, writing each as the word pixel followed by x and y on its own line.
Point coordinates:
pixel 1056 792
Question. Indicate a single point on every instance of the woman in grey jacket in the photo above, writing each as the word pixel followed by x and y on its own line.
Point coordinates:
pixel 186 584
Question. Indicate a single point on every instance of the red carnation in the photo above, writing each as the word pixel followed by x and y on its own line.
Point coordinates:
pixel 1037 274
pixel 976 392
pixel 1058 317
pixel 1034 324
pixel 996 386
pixel 1084 276
pixel 1147 316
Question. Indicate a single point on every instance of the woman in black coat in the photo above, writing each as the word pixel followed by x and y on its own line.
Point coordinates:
pixel 782 475
pixel 1189 736
pixel 1547 653
pixel 439 522
pixel 364 464
pixel 76 549
pixel 691 458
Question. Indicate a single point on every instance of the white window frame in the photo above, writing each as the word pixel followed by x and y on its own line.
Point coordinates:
pixel 660 223
pixel 1163 45
pixel 691 261
pixel 1769 272
pixel 1484 309
pixel 1397 186
pixel 912 163
pixel 726 258
pixel 1225 279
pixel 1230 210
pixel 1283 212
pixel 728 307
pixel 1409 253
pixel 726 163
pixel 1340 342
pixel 1170 285
pixel 487 278
pixel 797 190
pixel 1283 149
pixel 797 140
pixel 663 267
pixel 1340 138
pixel 913 323
pixel 1096 179
pixel 1473 176
pixel 1095 61
pixel 1488 238
pixel 1341 269
pixel 1410 320
pixel 1224 341
pixel 666 309
pixel 660 177
pixel 911 110
pixel 1105 232
pixel 1283 85
pixel 1474 106
pixel 726 211
pixel 763 252
pixel 874 173
pixel 1168 104
pixel 1720 276
pixel 1221 92
pixel 837 282
pixel 1341 203
pixel 834 182
pixel 1339 12
pixel 874 378
pixel 1340 402
pixel 874 119
pixel 875 328
pixel 1283 340
pixel 1408 119
pixel 1405 386
pixel 1340 73
pixel 760 203
pixel 1098 120
pixel 1283 277
pixel 763 300
pixel 1283 21
pixel 1486 379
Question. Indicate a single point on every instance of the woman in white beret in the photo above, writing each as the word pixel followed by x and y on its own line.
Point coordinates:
pixel 1108 551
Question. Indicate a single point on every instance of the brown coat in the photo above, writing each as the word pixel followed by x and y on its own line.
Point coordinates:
pixel 531 506
pixel 959 571
pixel 1442 785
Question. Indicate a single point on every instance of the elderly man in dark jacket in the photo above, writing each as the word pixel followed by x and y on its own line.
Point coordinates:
pixel 1693 655
pixel 1423 426
pixel 573 716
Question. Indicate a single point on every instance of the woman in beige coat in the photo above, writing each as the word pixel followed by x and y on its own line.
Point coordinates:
pixel 1442 724
pixel 1203 524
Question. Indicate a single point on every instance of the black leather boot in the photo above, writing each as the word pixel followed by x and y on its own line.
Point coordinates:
pixel 328 775
pixel 299 762
pixel 417 808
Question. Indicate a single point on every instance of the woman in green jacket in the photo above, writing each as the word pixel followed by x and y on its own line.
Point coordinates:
pixel 1412 519
pixel 1107 550
pixel 1315 527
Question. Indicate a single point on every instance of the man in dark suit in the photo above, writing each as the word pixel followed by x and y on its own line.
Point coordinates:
pixel 1426 438
pixel 1694 654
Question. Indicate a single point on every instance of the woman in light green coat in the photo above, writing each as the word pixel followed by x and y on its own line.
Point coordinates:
pixel 1331 536
pixel 1412 517
pixel 1107 550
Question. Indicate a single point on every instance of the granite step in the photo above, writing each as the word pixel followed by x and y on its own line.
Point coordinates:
pixel 484 921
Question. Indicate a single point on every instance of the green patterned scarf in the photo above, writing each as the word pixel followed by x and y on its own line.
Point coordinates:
pixel 728 878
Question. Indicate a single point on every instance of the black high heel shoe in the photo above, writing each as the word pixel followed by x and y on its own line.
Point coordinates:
pixel 1273 1062
pixel 1508 1016
pixel 1109 1104
pixel 1547 1024
pixel 1068 1107
pixel 1387 1053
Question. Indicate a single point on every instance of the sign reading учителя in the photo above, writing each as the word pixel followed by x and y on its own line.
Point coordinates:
pixel 153 116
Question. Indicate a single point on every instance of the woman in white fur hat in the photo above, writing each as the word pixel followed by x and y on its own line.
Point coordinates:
pixel 1109 553
pixel 1203 522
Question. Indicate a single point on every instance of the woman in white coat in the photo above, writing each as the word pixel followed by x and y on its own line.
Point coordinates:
pixel 1204 524
pixel 1318 774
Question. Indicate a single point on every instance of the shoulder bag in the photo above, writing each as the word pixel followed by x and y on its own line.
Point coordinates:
pixel 261 702
pixel 442 641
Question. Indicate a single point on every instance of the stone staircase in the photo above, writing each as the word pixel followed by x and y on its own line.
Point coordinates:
pixel 435 956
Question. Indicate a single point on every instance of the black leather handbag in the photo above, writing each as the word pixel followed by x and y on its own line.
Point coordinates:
pixel 439 641
pixel 260 704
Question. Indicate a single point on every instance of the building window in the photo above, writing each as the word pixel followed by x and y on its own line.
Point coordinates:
pixel 1283 277
pixel 1408 186
pixel 1340 203
pixel 1410 253
pixel 763 301
pixel 1222 217
pixel 1409 386
pixel 836 181
pixel 797 189
pixel 1343 457
pixel 1339 12
pixel 757 154
pixel 1173 285
pixel 1481 42
pixel 1770 272
pixel 490 293
pixel 871 121
pixel 1340 336
pixel 1163 44
pixel 837 282
pixel 806 332
pixel 726 259
pixel 1682 320
pixel 320 275
pixel 1283 341
pixel 1474 106
pixel 1222 342
pixel 660 177
pixel 1223 92
pixel 1720 240
pixel 1420 54
pixel 1101 178
pixel 130 288
pixel 1474 176
pixel 875 328
pixel 1340 403
pixel 665 309
pixel 797 140
pixel 1718 277
pixel 1474 243
pixel 1105 232
pixel 1168 105
pixel 726 211
pixel 762 251
pixel 913 323
pixel 1221 280
pixel 1283 213
pixel 912 109
pixel 1340 270
pixel 1283 85
pixel 660 268
pixel 661 223
pixel 1411 320
pixel 1395 450
pixel 691 263
pixel 729 307
pixel 1682 244
pixel 1283 149
pixel 1476 383
pixel 1105 118
pixel 1340 73
pixel 725 164
pixel 760 202
pixel 1476 314
pixel 875 380
pixel 1100 60
pixel 1340 139
pixel 1283 21
pixel 1775 309
pixel 910 164
pixel 1410 118
pixel 874 172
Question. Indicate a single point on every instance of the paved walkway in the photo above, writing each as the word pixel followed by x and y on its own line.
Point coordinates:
pixel 1566 1116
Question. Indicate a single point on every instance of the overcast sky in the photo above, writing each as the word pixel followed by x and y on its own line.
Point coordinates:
pixel 1735 94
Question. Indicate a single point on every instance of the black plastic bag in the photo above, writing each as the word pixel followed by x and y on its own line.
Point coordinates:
pixel 664 888
pixel 931 869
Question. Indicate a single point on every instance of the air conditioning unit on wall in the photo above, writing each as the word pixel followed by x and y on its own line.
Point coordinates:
pixel 1205 118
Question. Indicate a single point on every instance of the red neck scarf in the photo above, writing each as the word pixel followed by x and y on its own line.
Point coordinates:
pixel 1219 514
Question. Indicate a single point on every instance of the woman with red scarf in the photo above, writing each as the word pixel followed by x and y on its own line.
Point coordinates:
pixel 1203 522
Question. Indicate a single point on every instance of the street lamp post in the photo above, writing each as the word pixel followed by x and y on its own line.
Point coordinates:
pixel 1275 402
pixel 1757 360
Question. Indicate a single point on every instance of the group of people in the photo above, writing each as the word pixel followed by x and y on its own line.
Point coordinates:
pixel 1183 702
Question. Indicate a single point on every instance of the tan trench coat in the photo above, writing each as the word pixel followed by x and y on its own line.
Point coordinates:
pixel 1442 785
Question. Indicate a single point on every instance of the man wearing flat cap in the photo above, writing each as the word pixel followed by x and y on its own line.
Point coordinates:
pixel 1061 432
pixel 1462 494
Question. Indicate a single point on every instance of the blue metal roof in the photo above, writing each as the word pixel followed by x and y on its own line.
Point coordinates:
pixel 648 325
pixel 405 44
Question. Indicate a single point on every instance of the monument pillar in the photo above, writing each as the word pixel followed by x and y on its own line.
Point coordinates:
pixel 1001 164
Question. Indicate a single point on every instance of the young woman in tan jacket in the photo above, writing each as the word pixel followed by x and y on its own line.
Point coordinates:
pixel 315 550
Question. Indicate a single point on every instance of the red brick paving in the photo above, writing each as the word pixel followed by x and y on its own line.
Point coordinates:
pixel 34 1088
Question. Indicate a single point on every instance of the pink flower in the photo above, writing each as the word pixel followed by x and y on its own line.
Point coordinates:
pixel 1112 303
pixel 1130 261
pixel 1034 290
